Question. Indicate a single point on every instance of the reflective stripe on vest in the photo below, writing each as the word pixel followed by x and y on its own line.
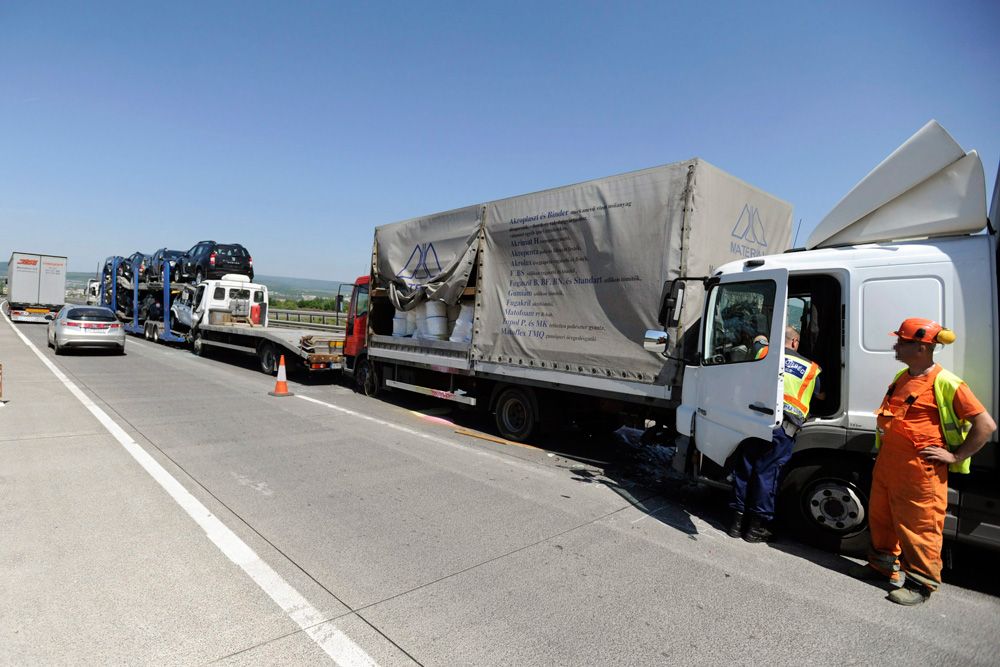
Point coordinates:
pixel 953 430
pixel 800 381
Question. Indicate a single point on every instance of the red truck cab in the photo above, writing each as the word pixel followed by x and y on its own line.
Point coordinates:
pixel 356 338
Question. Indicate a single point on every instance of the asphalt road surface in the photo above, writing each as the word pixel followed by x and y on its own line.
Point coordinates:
pixel 161 508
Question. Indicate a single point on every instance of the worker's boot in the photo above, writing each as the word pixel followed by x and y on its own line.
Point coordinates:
pixel 909 595
pixel 735 524
pixel 758 531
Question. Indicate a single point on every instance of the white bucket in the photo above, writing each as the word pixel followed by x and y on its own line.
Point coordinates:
pixel 462 333
pixel 435 309
pixel 467 313
pixel 399 320
pixel 437 327
pixel 411 322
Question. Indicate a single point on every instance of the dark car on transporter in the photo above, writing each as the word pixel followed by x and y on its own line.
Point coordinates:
pixel 160 258
pixel 208 259
pixel 138 260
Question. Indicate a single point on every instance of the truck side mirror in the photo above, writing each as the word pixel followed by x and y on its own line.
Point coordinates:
pixel 655 341
pixel 671 301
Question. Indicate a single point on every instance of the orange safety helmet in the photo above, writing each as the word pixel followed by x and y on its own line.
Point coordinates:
pixel 924 331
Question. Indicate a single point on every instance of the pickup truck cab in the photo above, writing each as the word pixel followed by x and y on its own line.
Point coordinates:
pixel 221 301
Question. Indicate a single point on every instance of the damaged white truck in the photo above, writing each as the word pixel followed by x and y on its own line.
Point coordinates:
pixel 857 279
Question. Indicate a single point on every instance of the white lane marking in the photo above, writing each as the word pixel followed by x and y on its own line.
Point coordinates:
pixel 433 438
pixel 335 643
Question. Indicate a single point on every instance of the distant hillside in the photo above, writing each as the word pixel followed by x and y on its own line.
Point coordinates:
pixel 292 289
pixel 301 288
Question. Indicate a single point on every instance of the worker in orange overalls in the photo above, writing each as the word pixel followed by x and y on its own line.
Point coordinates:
pixel 929 423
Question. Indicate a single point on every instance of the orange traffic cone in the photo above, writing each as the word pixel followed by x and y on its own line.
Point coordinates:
pixel 281 385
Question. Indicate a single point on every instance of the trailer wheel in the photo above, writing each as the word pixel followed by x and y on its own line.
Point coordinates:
pixel 516 414
pixel 268 358
pixel 366 380
pixel 197 346
pixel 826 504
pixel 155 337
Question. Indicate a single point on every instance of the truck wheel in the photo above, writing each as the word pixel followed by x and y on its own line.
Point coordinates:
pixel 516 414
pixel 268 358
pixel 826 504
pixel 197 346
pixel 366 380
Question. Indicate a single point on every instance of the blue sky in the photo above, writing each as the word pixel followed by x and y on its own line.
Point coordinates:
pixel 296 128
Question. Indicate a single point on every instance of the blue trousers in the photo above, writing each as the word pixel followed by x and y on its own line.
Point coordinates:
pixel 755 476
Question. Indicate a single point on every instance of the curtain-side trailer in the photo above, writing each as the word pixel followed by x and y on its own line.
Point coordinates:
pixel 534 307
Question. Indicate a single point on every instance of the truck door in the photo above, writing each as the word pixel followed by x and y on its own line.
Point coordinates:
pixel 739 388
pixel 357 320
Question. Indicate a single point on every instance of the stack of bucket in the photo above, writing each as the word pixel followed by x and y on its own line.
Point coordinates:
pixel 434 320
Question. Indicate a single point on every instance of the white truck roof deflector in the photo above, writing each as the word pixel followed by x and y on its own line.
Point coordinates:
pixel 928 186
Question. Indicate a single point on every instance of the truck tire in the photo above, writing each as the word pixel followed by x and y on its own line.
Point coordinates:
pixel 268 358
pixel 825 503
pixel 516 413
pixel 197 346
pixel 366 379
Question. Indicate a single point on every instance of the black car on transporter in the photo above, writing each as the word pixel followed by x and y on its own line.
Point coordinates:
pixel 208 259
pixel 161 257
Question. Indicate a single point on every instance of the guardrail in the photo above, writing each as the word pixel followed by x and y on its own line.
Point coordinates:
pixel 323 320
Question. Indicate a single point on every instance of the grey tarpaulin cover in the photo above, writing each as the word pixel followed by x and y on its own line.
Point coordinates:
pixel 570 279
pixel 427 258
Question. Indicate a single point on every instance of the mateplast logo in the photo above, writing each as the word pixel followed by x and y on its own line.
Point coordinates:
pixel 749 238
pixel 422 264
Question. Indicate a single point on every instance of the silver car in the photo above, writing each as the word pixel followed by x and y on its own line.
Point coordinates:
pixel 86 326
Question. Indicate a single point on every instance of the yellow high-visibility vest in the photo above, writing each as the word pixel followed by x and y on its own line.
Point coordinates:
pixel 953 429
pixel 800 381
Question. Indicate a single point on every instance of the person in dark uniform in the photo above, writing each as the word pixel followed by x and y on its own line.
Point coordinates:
pixel 755 476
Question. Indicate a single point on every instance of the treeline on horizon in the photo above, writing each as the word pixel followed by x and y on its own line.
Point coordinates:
pixel 306 304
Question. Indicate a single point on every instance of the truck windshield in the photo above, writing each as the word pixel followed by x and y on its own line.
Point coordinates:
pixel 239 294
pixel 739 322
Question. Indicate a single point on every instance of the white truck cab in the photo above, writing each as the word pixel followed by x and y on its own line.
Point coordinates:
pixel 845 294
pixel 227 299
pixel 93 291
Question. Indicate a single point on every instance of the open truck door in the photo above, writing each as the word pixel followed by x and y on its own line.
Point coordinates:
pixel 736 390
